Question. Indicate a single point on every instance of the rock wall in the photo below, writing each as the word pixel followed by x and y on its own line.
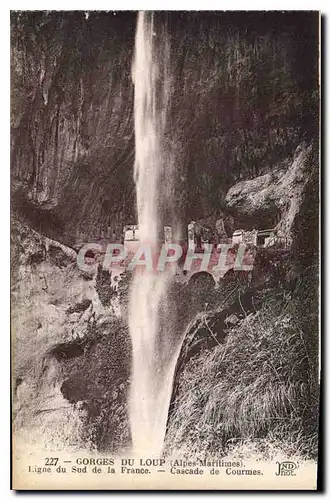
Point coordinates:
pixel 275 200
pixel 71 354
pixel 243 95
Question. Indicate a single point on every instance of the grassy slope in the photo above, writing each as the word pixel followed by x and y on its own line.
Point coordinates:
pixel 259 388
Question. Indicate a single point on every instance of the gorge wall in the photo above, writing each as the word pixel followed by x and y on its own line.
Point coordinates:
pixel 243 96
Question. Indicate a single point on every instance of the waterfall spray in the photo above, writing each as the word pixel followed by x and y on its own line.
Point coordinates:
pixel 154 355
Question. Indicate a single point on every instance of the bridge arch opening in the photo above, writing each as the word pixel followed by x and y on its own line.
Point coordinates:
pixel 202 279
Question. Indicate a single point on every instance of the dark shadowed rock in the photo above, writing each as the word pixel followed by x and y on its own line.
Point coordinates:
pixel 274 200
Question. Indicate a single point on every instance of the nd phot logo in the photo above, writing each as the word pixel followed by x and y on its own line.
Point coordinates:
pixel 286 468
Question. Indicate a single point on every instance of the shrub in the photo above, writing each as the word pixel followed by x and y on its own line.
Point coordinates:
pixel 104 286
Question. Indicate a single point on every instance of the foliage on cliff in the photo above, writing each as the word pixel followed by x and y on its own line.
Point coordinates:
pixel 260 386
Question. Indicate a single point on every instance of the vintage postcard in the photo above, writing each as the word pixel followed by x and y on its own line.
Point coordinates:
pixel 165 250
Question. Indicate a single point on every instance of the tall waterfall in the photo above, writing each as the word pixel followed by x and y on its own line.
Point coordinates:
pixel 154 355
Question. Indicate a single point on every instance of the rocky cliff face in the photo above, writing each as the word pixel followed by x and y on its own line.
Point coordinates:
pixel 242 97
pixel 72 127
pixel 72 353
pixel 275 200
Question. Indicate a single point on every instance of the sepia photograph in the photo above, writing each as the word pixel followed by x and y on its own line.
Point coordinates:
pixel 165 249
